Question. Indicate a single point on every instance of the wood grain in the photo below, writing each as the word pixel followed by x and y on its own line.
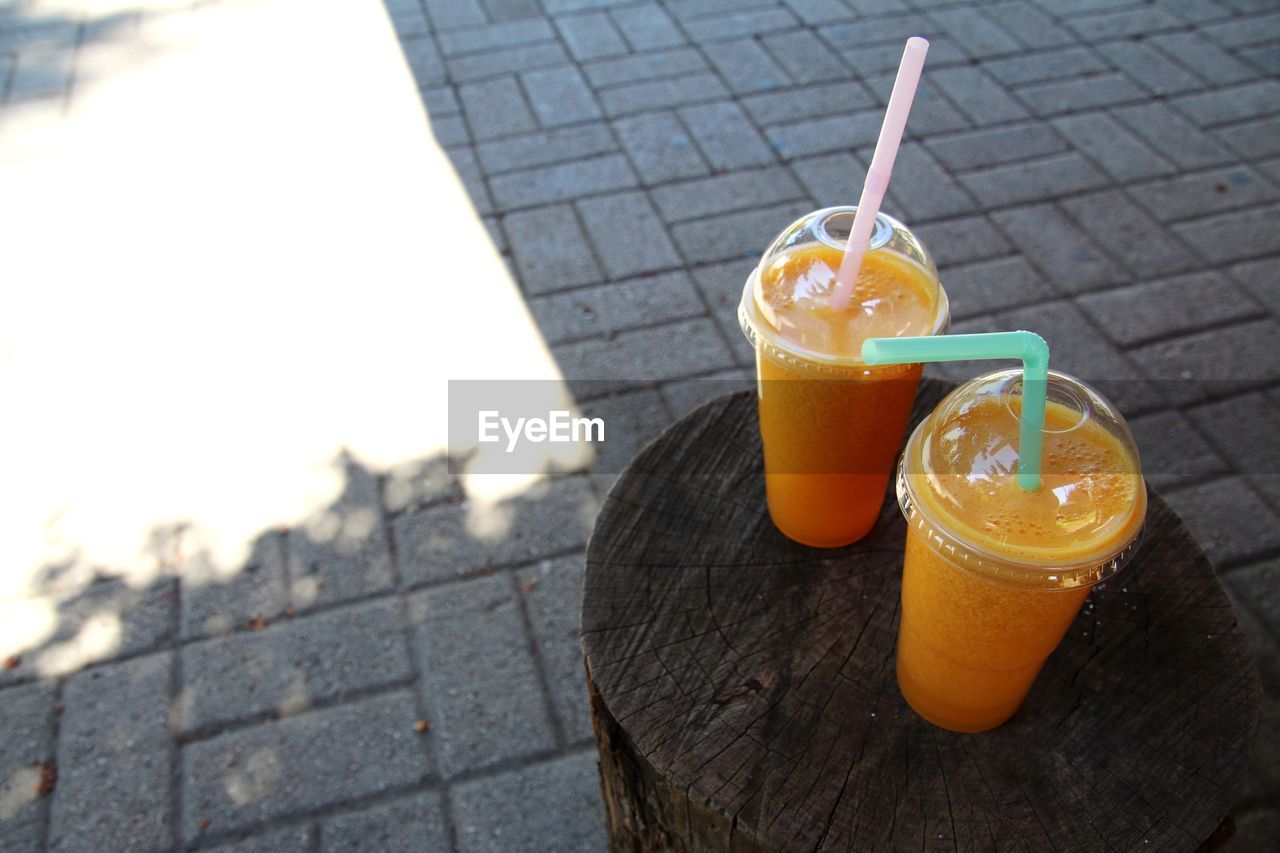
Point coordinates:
pixel 744 696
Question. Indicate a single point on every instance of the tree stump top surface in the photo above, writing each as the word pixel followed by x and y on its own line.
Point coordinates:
pixel 757 675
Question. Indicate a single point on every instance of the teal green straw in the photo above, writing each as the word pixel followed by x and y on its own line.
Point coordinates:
pixel 1028 347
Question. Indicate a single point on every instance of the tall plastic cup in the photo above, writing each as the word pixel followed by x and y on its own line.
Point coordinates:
pixel 831 424
pixel 994 573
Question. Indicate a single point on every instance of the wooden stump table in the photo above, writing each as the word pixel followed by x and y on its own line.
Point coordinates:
pixel 743 691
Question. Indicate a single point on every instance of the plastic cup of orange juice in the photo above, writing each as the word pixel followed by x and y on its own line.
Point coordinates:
pixel 994 573
pixel 831 424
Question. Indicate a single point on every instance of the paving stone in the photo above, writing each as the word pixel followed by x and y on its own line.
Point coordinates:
pixel 98 622
pixel 450 130
pixel 1219 106
pixel 550 249
pixel 746 22
pixel 1203 192
pixel 831 179
pixel 1266 58
pixel 1243 430
pixel 656 94
pixel 1107 142
pixel 930 112
pixel 559 96
pixel 730 191
pixel 1262 279
pixel 1258 587
pixel 590 35
pixel 27 712
pixel 113 758
pixel 1033 180
pixel 1214 363
pixel 721 286
pixel 1127 22
pixel 1204 57
pixel 1028 25
pixel 810 102
pixel 648 66
pixel 409 21
pixel 1078 349
pixel 1229 520
pixel 481 66
pixel 978 96
pixel 1155 309
pixel 1065 64
pixel 544 148
pixel 511 10
pixel 454 540
pixel 463 159
pixel 1102 90
pixel 686 395
pixel 1195 10
pixel 292 665
pixel 922 188
pixel 447 14
pixel 1234 236
pixel 552 592
pixel 746 66
pixel 975 32
pixel 961 240
pixel 1057 247
pixel 824 135
pixel 614 307
pixel 660 147
pixel 634 419
pixel 1149 67
pixel 993 285
pixel 341 553
pixel 1254 139
pixel 647 27
pixel 562 181
pixel 672 351
pixel 819 11
pixel 550 806
pixel 688 9
pixel 1173 136
pixel 495 108
pixel 215 601
pixel 295 839
pixel 410 825
pixel 480 679
pixel 1124 229
pixel 495 37
pixel 735 235
pixel 1255 829
pixel 41 72
pixel 354 750
pixel 867 60
pixel 424 61
pixel 726 136
pixel 1242 32
pixel 994 146
pixel 805 58
pixel 628 236
pixel 1173 453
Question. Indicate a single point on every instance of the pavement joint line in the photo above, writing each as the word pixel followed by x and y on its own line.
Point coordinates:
pixel 1260 312
pixel 497 568
pixel 176 686
pixel 46 812
pixel 539 663
pixel 261 718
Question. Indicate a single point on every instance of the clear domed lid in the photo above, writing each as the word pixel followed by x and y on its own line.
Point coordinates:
pixel 958 480
pixel 784 303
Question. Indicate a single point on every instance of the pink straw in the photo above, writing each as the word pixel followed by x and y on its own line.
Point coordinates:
pixel 895 121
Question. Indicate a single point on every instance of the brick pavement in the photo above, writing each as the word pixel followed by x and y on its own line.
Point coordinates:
pixel 1082 168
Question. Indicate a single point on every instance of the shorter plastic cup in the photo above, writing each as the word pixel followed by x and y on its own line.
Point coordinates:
pixel 993 573
pixel 831 424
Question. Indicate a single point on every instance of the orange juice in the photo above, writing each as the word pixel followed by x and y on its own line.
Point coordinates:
pixel 994 574
pixel 831 425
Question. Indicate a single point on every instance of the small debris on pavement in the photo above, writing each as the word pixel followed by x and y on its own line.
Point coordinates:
pixel 422 727
pixel 13 662
pixel 48 778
